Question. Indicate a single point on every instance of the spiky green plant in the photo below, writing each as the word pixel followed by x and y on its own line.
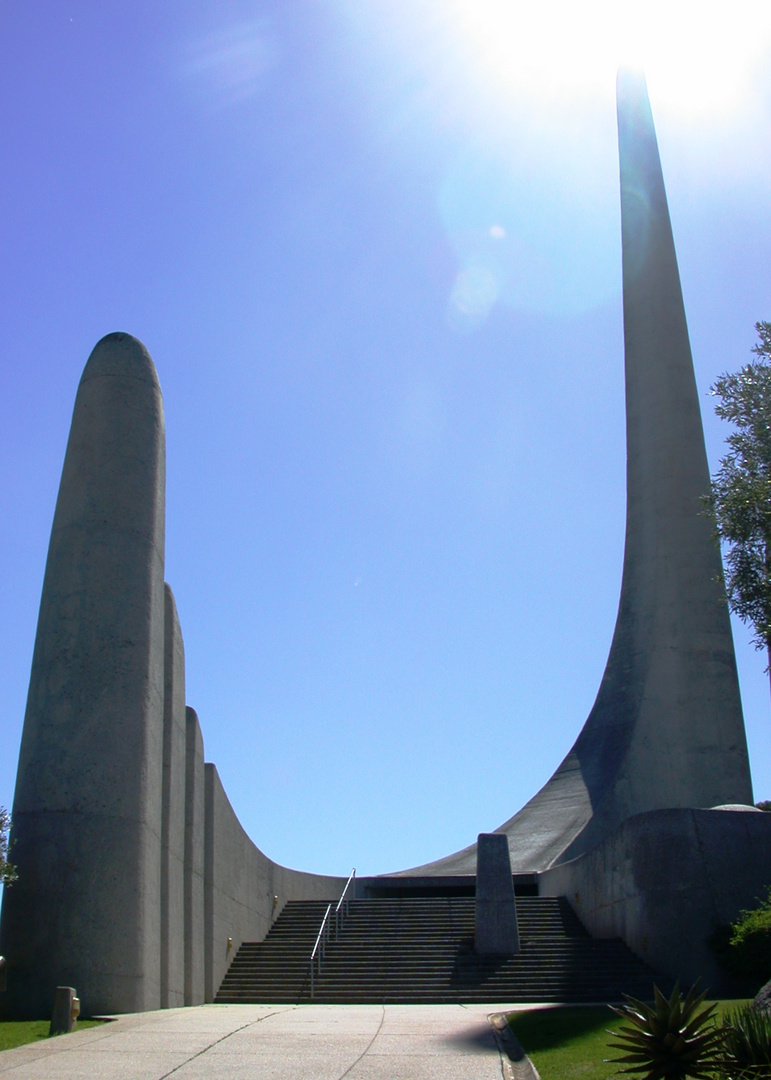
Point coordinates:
pixel 748 1043
pixel 671 1039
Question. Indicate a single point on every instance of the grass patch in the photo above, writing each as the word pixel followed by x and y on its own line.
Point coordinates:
pixel 18 1032
pixel 569 1043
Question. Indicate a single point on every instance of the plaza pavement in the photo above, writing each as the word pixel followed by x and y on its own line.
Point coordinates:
pixel 276 1042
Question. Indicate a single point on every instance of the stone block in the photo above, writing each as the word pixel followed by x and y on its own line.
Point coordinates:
pixel 65 1011
pixel 495 929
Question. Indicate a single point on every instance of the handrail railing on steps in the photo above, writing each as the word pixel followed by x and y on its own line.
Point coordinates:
pixel 322 938
pixel 341 911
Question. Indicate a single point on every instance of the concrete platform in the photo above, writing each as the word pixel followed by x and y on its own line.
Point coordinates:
pixel 274 1042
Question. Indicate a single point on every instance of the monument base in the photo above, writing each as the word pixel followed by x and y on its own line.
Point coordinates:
pixel 665 880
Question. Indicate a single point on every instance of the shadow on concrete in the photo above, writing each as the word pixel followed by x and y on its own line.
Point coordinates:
pixel 478 1037
pixel 548 1028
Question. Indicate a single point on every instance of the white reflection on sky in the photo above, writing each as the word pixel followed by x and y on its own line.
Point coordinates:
pixel 231 64
pixel 523 94
pixel 529 234
pixel 700 52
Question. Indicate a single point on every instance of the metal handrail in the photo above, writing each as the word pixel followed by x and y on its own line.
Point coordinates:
pixel 323 935
pixel 344 901
pixel 321 939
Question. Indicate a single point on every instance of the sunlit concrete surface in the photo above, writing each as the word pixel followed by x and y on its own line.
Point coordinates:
pixel 242 1042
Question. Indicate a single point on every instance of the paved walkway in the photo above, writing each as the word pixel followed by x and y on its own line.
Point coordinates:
pixel 279 1042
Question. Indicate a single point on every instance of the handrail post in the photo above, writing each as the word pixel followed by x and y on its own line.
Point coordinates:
pixel 325 930
pixel 343 903
pixel 321 938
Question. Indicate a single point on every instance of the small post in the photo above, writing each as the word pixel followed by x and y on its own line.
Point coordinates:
pixel 66 1010
pixel 495 931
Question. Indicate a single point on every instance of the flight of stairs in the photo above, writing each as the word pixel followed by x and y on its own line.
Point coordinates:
pixel 422 950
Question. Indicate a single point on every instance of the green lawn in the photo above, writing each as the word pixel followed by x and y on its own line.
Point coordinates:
pixel 17 1032
pixel 570 1043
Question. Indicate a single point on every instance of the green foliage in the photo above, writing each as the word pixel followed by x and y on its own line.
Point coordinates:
pixel 740 495
pixel 7 869
pixel 748 1044
pixel 19 1032
pixel 744 947
pixel 566 1042
pixel 670 1040
pixel 764 804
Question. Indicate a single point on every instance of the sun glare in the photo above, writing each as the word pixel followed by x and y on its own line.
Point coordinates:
pixel 697 54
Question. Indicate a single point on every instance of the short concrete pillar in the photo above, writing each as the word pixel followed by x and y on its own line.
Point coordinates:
pixel 495 932
pixel 66 1010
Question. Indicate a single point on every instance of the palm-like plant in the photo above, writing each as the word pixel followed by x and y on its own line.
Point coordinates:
pixel 748 1043
pixel 671 1039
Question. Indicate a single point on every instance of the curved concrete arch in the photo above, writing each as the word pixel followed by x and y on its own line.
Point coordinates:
pixel 666 729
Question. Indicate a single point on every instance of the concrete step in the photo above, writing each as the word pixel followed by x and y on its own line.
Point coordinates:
pixel 421 950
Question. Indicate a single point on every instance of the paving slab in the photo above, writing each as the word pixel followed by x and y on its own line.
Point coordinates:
pixel 280 1042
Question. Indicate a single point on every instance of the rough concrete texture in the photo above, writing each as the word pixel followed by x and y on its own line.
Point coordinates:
pixel 240 883
pixel 663 881
pixel 114 840
pixel 279 1042
pixel 86 816
pixel 195 985
pixel 666 729
pixel 173 812
pixel 495 911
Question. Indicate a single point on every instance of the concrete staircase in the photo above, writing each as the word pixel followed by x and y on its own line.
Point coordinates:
pixel 422 950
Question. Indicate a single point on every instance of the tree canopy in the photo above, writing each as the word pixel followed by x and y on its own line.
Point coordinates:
pixel 740 495
pixel 7 869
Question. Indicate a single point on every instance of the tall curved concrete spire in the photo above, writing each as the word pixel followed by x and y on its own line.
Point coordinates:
pixel 87 807
pixel 666 729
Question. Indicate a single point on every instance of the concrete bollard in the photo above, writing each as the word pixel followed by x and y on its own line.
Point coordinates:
pixel 495 931
pixel 66 1010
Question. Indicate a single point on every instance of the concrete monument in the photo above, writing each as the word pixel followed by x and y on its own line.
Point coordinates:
pixel 495 918
pixel 666 729
pixel 136 881
pixel 133 869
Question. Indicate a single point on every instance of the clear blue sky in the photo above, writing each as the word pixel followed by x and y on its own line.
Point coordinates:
pixel 380 281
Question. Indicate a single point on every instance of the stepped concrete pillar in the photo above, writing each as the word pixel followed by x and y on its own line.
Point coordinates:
pixel 173 812
pixel 194 862
pixel 85 911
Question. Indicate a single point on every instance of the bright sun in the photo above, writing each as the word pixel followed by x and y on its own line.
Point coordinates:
pixel 698 53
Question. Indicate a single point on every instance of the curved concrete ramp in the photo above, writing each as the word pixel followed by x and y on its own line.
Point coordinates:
pixel 666 729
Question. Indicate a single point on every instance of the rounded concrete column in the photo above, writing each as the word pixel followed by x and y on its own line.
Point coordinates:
pixel 86 814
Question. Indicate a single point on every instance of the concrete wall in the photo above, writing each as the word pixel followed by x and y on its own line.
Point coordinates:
pixel 240 883
pixel 173 812
pixel 133 869
pixel 663 881
pixel 194 862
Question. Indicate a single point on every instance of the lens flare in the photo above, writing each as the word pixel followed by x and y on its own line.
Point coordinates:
pixel 232 64
pixel 698 55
